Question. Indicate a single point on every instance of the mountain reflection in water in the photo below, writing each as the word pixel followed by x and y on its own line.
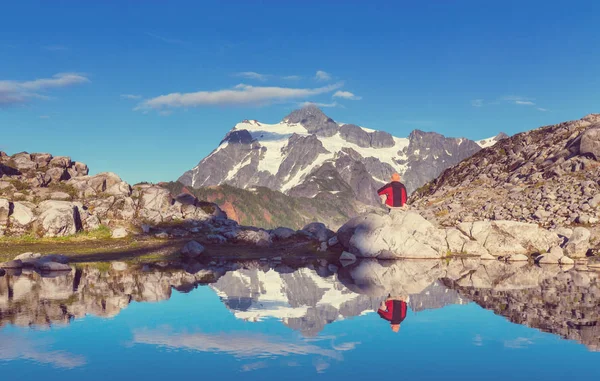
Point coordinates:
pixel 306 298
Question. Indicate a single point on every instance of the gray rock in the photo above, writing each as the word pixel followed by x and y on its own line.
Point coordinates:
pixel 145 228
pixel 579 243
pixel 4 213
pixel 399 235
pixel 59 218
pixel 22 214
pixel 119 233
pixel 552 257
pixel 28 258
pixel 319 231
pixel 564 231
pixel 594 201
pixel 14 264
pixel 346 256
pixel 332 241
pixel 60 196
pixel 282 233
pixel 504 238
pixel 59 258
pixel 118 266
pixel 53 266
pixel 192 249
pixel 162 235
pixel 517 258
pixel 566 261
pixel 590 142
pixel 258 238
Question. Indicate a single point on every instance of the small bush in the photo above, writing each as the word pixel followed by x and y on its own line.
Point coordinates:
pixel 20 185
pixel 66 188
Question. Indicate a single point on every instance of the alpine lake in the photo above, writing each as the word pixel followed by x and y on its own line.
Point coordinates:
pixel 308 319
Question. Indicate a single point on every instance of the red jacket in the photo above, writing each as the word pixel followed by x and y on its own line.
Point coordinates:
pixel 395 192
pixel 395 311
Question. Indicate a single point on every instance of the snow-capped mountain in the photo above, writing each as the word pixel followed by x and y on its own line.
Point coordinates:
pixel 308 154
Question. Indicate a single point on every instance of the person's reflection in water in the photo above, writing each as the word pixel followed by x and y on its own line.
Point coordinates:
pixel 394 311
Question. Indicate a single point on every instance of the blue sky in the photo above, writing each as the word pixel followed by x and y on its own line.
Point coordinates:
pixel 93 80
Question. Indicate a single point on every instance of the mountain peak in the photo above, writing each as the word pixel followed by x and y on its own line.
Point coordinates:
pixel 314 120
pixel 310 111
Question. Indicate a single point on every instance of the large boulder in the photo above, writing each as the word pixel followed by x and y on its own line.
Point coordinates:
pixel 579 243
pixel 590 142
pixel 89 186
pixel 22 214
pixel 389 236
pixel 4 213
pixel 23 162
pixel 505 238
pixel 154 203
pixel 58 218
pixel 319 231
pixel 282 233
pixel 254 237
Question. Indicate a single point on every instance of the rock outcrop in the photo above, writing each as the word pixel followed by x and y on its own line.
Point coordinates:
pixel 55 197
pixel 406 234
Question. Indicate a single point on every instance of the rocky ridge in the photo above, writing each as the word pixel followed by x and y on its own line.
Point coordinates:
pixel 548 176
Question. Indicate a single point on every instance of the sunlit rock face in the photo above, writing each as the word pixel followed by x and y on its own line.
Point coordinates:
pixel 306 298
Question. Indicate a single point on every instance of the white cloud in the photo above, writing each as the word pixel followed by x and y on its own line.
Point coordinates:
pixel 322 76
pixel 477 102
pixel 238 96
pixel 515 98
pixel 512 99
pixel 130 96
pixel 526 103
pixel 16 92
pixel 346 95
pixel 252 75
pixel 319 104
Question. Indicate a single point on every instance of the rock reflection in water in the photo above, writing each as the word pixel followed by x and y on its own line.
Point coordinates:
pixel 307 297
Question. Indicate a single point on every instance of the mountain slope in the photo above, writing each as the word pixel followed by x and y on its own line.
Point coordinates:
pixel 269 209
pixel 308 154
pixel 550 175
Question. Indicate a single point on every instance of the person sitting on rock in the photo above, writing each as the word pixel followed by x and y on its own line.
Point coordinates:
pixel 394 311
pixel 393 194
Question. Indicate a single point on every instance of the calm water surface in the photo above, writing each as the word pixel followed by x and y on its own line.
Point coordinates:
pixel 466 320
